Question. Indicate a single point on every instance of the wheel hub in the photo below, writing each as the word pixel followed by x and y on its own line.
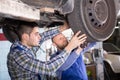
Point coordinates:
pixel 98 12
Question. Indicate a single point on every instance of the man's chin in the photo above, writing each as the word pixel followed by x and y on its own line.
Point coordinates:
pixel 36 45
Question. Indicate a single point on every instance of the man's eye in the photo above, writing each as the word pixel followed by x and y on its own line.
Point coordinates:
pixel 37 34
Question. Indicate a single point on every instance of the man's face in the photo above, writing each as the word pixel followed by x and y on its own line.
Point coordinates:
pixel 60 41
pixel 34 37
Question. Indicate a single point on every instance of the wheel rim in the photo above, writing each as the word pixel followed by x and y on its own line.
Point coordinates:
pixel 99 17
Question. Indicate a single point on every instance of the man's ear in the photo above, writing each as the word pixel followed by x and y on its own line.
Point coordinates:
pixel 25 36
pixel 54 44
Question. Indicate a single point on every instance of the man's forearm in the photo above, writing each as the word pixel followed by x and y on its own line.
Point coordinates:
pixel 48 68
pixel 49 34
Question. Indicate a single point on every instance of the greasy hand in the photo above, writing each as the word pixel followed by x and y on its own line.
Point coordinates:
pixel 76 41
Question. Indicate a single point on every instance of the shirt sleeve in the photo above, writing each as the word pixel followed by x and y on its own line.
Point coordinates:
pixel 90 45
pixel 33 65
pixel 69 62
pixel 49 34
pixel 73 57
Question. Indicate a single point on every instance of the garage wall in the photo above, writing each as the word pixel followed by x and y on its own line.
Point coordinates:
pixel 4 48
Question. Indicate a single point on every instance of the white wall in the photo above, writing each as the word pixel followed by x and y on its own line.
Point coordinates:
pixel 4 49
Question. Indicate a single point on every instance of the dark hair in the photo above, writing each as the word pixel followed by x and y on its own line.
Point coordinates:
pixel 25 27
pixel 52 39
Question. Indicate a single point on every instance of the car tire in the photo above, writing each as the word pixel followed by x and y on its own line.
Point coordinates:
pixel 95 18
pixel 10 33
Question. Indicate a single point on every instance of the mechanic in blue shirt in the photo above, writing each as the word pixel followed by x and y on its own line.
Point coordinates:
pixel 68 71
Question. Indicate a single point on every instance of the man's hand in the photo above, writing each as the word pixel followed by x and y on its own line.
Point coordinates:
pixel 76 41
pixel 78 50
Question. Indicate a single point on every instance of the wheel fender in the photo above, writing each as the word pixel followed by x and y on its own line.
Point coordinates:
pixel 67 7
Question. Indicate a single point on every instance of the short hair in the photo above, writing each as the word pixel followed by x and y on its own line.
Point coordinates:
pixel 25 27
pixel 52 39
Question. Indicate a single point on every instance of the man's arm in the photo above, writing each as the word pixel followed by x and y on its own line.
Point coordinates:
pixel 90 45
pixel 35 66
pixel 73 57
pixel 69 62
pixel 50 33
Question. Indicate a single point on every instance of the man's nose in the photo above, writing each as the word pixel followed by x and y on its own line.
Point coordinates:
pixel 39 36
